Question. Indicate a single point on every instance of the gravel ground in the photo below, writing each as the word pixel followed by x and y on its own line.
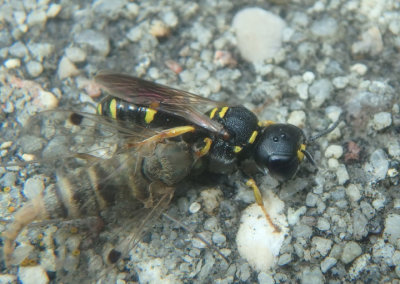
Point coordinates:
pixel 329 57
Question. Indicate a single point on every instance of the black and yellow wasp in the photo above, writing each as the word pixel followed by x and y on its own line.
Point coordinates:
pixel 154 137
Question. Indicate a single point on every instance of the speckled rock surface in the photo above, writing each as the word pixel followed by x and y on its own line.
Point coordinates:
pixel 334 56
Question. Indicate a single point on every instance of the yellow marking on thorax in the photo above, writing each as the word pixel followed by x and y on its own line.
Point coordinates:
pixel 300 154
pixel 253 137
pixel 150 113
pixel 100 109
pixel 113 108
pixel 212 113
pixel 265 123
pixel 223 112
pixel 203 151
pixel 237 149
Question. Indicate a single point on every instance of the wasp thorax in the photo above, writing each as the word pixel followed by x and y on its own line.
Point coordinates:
pixel 279 150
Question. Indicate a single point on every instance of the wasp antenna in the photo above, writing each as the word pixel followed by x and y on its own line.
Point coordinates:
pixel 309 158
pixel 197 235
pixel 326 131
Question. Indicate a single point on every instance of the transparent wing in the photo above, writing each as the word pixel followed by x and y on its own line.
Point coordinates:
pixel 176 102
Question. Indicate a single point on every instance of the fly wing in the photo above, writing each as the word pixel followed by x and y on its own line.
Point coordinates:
pixel 176 102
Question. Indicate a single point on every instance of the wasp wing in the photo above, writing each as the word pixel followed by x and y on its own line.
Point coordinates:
pixel 173 101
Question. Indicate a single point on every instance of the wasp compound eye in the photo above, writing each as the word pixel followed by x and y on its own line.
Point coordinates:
pixel 279 150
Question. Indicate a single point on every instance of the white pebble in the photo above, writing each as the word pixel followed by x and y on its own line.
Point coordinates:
pixel 256 240
pixel 340 82
pixel 53 10
pixel 381 120
pixel 258 33
pixel 36 17
pixel 75 54
pixel 342 174
pixel 194 207
pixel 46 100
pixel 392 228
pixel 294 215
pixel 371 43
pixel 32 275
pixel 19 17
pixel 308 77
pixel 34 68
pixel 297 118
pixel 33 186
pixel 378 166
pixel 334 151
pixel 5 145
pixel 66 69
pixel 333 164
pixel 302 91
pixel 353 192
pixel 12 63
pixel 359 69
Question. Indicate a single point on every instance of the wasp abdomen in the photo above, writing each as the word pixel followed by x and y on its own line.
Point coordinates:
pixel 121 110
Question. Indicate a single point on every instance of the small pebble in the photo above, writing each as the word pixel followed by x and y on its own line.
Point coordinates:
pixel 94 39
pixel 351 250
pixel 392 228
pixel 265 278
pixel 334 151
pixel 75 54
pixel 12 63
pixel 340 82
pixel 333 164
pixel 326 27
pixel 34 68
pixel 32 275
pixel 323 224
pixel 194 207
pixel 284 259
pixel 311 199
pixel 297 118
pixel 327 264
pixel 359 266
pixel 381 120
pixel 353 192
pixel 342 174
pixel 360 223
pixel 312 276
pixel 378 166
pixel 302 91
pixel 18 49
pixel 308 77
pixel 258 33
pixel 53 10
pixel 36 17
pixel 319 92
pixel 218 238
pixel 46 100
pixel 33 187
pixel 322 245
pixel 359 69
pixel 66 69
pixel 371 43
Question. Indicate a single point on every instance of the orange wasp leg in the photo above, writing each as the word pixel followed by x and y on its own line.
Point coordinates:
pixel 257 194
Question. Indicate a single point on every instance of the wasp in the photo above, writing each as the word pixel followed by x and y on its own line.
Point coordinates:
pixel 157 136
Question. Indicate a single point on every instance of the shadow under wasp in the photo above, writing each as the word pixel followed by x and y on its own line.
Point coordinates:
pixel 154 136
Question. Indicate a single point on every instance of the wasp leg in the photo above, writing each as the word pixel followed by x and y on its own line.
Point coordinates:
pixel 165 134
pixel 257 194
pixel 30 212
pixel 205 149
pixel 265 123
